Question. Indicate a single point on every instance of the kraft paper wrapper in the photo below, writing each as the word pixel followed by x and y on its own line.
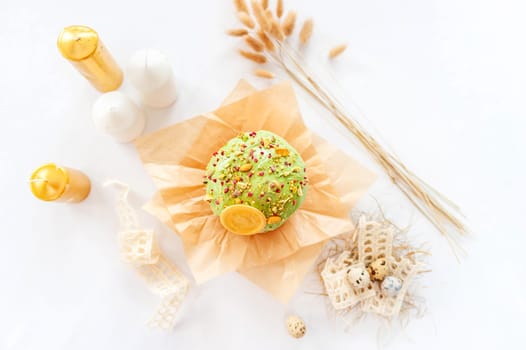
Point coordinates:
pixel 176 158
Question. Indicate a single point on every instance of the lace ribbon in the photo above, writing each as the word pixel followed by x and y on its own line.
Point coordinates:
pixel 139 248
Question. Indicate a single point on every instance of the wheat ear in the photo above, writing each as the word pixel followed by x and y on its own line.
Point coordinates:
pixel 254 43
pixel 264 74
pixel 279 8
pixel 245 19
pixel 237 32
pixel 241 6
pixel 306 31
pixel 337 50
pixel 269 45
pixel 259 14
pixel 255 57
pixel 288 23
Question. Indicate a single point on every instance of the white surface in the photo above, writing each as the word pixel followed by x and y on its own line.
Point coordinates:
pixel 444 81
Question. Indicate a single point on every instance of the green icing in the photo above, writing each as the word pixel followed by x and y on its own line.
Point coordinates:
pixel 276 183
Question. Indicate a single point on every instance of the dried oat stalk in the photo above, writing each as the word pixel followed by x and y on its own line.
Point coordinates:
pixel 254 43
pixel 237 32
pixel 337 50
pixel 273 36
pixel 306 31
pixel 245 19
pixel 279 8
pixel 262 73
pixel 259 15
pixel 288 23
pixel 269 45
pixel 241 6
pixel 258 58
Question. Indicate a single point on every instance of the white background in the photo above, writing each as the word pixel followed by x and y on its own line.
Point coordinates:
pixel 444 81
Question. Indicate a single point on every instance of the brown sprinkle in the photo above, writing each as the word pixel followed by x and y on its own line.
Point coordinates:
pixel 306 31
pixel 337 50
pixel 266 41
pixel 237 32
pixel 264 74
pixel 241 6
pixel 245 19
pixel 288 23
pixel 245 167
pixel 254 43
pixel 256 57
pixel 279 8
pixel 259 13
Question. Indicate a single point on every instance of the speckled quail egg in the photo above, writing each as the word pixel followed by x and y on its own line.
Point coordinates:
pixel 358 276
pixel 378 269
pixel 296 326
pixel 391 285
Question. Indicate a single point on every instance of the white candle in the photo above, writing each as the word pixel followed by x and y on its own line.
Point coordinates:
pixel 151 74
pixel 116 115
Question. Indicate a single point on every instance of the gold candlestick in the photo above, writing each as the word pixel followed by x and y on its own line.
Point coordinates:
pixel 52 183
pixel 83 48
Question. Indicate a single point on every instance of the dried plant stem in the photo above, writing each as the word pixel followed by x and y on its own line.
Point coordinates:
pixel 254 43
pixel 245 19
pixel 430 203
pixel 258 58
pixel 279 8
pixel 425 252
pixel 269 45
pixel 337 50
pixel 237 32
pixel 259 14
pixel 264 74
pixel 241 6
pixel 275 29
pixel 440 211
pixel 306 31
pixel 288 23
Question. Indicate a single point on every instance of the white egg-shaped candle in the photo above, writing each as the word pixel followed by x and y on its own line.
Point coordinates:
pixel 151 74
pixel 116 115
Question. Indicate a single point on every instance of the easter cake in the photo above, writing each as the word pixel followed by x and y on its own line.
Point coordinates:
pixel 255 182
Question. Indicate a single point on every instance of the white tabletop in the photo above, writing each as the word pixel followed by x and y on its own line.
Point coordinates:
pixel 443 81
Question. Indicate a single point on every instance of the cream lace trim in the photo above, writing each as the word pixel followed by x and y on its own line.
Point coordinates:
pixel 139 248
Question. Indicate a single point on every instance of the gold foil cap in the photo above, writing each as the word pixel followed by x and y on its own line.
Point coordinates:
pixel 49 182
pixel 77 42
